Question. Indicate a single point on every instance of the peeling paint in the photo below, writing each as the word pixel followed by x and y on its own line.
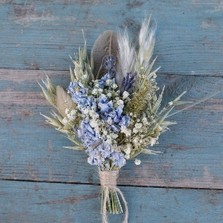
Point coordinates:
pixel 208 23
pixel 135 4
pixel 70 200
pixel 27 14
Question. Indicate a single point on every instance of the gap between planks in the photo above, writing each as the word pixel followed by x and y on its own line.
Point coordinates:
pixel 42 73
pixel 119 185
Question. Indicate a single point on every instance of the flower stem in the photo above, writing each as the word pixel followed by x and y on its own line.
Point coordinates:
pixel 113 203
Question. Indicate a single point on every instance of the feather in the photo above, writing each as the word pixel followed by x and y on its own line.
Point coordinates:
pixel 105 44
pixel 126 57
pixel 63 101
pixel 146 43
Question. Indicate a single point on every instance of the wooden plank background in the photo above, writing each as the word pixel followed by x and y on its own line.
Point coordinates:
pixel 42 182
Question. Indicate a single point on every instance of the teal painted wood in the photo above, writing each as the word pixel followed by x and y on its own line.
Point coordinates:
pixel 42 202
pixel 41 34
pixel 32 150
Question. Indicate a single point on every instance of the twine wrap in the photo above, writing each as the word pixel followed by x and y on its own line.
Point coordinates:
pixel 108 180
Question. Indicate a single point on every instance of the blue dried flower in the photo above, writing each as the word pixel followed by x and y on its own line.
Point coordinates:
pixel 116 115
pixel 125 120
pixel 105 150
pixel 104 104
pixel 87 134
pixel 98 150
pixel 79 95
pixel 94 158
pixel 102 81
pixel 109 62
pixel 118 159
pixel 128 81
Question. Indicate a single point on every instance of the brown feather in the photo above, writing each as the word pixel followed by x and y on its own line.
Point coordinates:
pixel 105 44
pixel 63 101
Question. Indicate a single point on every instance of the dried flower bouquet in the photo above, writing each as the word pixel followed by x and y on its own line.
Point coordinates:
pixel 112 109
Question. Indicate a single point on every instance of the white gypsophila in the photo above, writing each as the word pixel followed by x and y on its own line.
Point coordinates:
pixel 120 102
pixel 94 91
pixel 109 121
pixel 153 141
pixel 125 94
pixel 85 111
pixel 100 90
pixel 94 123
pixel 93 114
pixel 136 141
pixel 138 125
pixel 114 86
pixel 135 130
pixel 108 82
pixel 127 156
pixel 128 148
pixel 126 131
pixel 109 140
pixel 104 131
pixel 114 135
pixel 145 121
pixel 109 94
pixel 137 162
pixel 96 85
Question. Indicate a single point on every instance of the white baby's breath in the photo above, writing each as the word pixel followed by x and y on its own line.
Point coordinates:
pixel 120 102
pixel 138 125
pixel 126 131
pixel 128 149
pixel 137 162
pixel 114 86
pixel 153 141
pixel 125 94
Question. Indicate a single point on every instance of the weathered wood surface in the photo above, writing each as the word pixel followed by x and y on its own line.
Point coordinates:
pixel 32 150
pixel 43 202
pixel 41 34
pixel 42 182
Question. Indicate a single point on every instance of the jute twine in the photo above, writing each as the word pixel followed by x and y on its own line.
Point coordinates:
pixel 108 180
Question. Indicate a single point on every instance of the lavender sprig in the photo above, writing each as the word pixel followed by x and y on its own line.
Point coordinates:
pixel 128 82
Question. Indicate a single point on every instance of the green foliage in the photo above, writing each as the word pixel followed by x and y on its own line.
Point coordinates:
pixel 82 71
pixel 49 91
pixel 60 121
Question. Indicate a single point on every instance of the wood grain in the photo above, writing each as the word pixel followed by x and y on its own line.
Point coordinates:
pixel 66 203
pixel 32 150
pixel 41 34
pixel 40 181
